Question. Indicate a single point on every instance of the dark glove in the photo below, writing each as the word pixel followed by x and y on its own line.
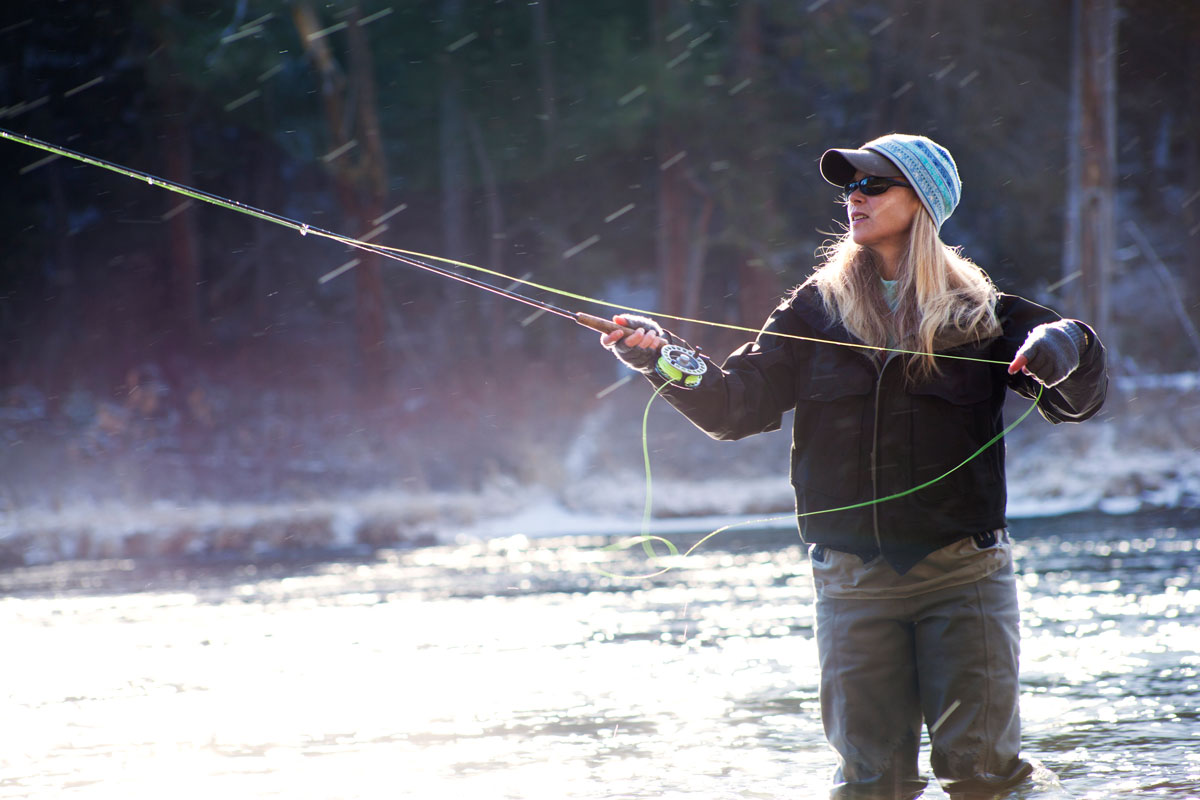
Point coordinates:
pixel 1052 350
pixel 638 358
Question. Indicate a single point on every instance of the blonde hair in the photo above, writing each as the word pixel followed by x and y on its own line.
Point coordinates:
pixel 945 299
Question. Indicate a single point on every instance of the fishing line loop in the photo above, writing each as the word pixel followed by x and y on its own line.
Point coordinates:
pixel 645 538
pixel 414 258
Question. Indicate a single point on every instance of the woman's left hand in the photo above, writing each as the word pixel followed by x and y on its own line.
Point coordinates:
pixel 1050 352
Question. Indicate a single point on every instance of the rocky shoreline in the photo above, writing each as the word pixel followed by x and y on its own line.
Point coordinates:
pixel 1139 459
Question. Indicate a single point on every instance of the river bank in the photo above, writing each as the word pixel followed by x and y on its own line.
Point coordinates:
pixel 1140 456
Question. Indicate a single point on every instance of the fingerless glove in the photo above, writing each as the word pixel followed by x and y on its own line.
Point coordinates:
pixel 639 358
pixel 1052 351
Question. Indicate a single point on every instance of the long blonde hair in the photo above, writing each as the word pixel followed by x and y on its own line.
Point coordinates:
pixel 945 299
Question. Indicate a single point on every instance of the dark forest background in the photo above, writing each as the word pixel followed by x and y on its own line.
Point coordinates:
pixel 656 153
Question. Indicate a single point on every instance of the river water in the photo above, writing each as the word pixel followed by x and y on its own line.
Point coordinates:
pixel 524 669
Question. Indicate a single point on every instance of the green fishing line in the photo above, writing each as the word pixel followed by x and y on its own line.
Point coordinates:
pixel 646 539
pixel 648 506
pixel 396 253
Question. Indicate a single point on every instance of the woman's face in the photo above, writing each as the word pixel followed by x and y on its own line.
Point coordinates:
pixel 882 221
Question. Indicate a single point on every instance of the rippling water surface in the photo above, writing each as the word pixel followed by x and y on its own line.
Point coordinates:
pixel 519 669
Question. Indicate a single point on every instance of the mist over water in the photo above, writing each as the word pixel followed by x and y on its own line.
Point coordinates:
pixel 520 669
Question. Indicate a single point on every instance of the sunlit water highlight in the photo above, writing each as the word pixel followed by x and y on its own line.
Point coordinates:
pixel 517 669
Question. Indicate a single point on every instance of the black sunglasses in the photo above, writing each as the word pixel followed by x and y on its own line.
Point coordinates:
pixel 871 185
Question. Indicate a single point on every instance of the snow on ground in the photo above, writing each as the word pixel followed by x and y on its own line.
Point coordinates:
pixel 1142 453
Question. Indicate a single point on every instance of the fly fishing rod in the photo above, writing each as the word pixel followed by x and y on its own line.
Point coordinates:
pixel 675 363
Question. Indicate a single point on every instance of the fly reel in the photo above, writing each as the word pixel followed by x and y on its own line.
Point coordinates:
pixel 680 365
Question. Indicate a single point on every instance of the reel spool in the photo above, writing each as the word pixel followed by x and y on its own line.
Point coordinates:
pixel 680 365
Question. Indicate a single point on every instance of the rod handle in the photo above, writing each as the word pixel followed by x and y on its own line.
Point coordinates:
pixel 598 323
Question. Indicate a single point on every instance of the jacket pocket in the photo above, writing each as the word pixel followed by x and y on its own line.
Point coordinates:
pixel 831 438
pixel 954 415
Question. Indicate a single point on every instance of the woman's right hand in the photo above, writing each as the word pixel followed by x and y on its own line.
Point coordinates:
pixel 643 333
pixel 636 342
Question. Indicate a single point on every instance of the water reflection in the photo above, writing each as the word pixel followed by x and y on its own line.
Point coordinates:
pixel 517 669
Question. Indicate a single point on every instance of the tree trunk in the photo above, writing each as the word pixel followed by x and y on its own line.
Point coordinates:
pixel 60 271
pixel 672 234
pixel 908 47
pixel 360 175
pixel 183 249
pixel 693 278
pixel 264 191
pixel 758 286
pixel 183 257
pixel 1091 147
pixel 370 324
pixel 541 34
pixel 453 151
pixel 497 238
pixel 673 190
pixel 1191 162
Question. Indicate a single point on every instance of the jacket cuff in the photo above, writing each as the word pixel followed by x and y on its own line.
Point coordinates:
pixel 1078 333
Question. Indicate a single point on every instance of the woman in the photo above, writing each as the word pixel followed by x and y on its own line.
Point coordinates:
pixel 915 595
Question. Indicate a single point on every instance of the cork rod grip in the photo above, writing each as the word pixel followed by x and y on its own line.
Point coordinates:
pixel 597 323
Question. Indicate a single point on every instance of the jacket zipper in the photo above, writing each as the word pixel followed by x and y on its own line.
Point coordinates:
pixel 875 452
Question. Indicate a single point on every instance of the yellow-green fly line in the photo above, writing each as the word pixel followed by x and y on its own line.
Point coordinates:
pixel 410 257
pixel 646 539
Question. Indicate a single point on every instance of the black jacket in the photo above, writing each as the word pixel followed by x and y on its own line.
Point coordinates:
pixel 862 431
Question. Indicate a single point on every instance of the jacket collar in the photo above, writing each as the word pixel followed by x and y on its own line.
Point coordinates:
pixel 807 304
